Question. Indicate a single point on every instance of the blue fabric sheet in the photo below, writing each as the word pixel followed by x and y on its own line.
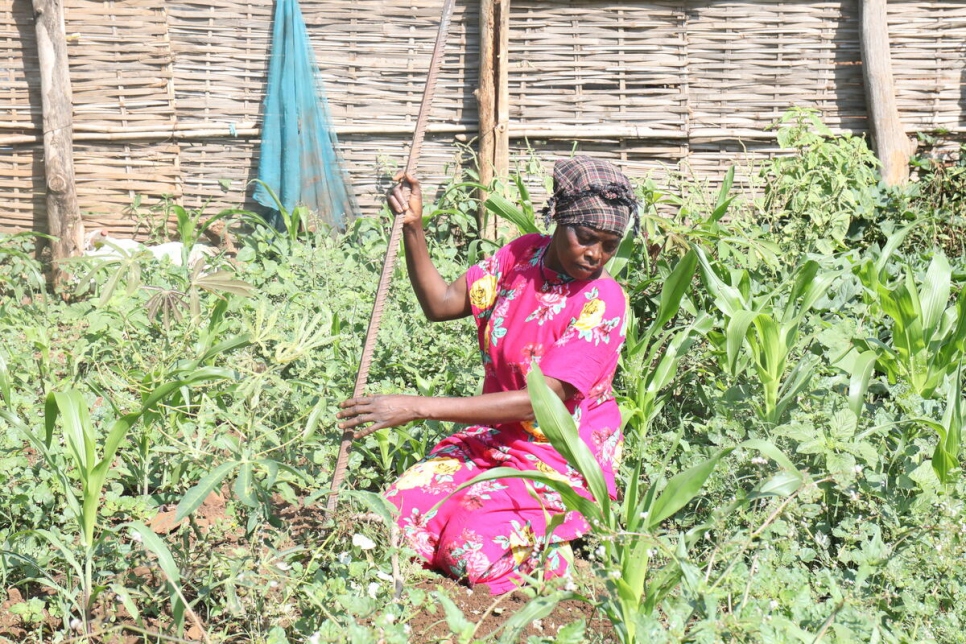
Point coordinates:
pixel 299 157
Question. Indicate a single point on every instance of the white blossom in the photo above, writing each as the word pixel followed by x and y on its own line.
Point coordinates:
pixel 363 542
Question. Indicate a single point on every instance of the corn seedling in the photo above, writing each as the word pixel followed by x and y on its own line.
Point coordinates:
pixel 767 329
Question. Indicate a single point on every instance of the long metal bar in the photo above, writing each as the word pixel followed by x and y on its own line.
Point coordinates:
pixel 388 264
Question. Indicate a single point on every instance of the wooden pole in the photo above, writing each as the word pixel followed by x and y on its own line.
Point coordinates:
pixel 486 106
pixel 63 213
pixel 501 147
pixel 889 139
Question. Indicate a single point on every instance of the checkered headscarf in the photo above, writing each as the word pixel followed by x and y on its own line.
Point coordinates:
pixel 590 192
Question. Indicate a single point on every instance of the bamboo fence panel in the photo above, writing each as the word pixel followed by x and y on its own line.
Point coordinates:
pixel 168 95
pixel 928 46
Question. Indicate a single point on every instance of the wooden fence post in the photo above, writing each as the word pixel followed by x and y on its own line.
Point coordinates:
pixel 889 139
pixel 63 213
pixel 486 105
pixel 493 97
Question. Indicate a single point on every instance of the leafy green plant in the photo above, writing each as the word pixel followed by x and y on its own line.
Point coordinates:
pixel 80 437
pixel 652 356
pixel 813 197
pixel 927 338
pixel 768 327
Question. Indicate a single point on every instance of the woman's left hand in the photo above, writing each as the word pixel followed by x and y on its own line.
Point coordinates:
pixel 381 411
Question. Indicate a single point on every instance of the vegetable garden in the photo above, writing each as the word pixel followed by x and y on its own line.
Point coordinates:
pixel 792 390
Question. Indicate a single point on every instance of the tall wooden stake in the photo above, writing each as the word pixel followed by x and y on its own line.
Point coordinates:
pixel 486 106
pixel 501 151
pixel 63 213
pixel 493 97
pixel 891 144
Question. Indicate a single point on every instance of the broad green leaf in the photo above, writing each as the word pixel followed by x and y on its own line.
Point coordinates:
pixel 568 495
pixel 167 564
pixel 675 287
pixel 558 426
pixel 859 380
pixel 196 495
pixel 771 451
pixel 502 207
pixel 682 487
pixel 781 484
pixel 224 282
pixel 5 383
pixel 534 609
pixel 735 335
pixel 376 503
pixel 245 485
pixel 935 294
pixel 457 622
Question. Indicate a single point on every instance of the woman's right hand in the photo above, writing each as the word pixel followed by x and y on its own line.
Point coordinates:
pixel 406 199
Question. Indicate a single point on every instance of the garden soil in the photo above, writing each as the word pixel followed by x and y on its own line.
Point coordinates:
pixel 490 613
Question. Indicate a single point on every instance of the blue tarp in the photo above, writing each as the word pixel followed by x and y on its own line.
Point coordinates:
pixel 299 157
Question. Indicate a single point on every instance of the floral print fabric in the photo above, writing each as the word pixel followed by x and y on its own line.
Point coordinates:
pixel 494 531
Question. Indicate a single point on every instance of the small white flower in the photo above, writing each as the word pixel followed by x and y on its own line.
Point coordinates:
pixel 136 536
pixel 773 604
pixel 76 624
pixel 615 574
pixel 652 552
pixel 363 542
pixel 373 590
pixel 281 565
pixel 570 586
pixel 383 576
pixel 390 618
pixel 273 584
pixel 858 469
pixel 759 460
pixel 314 638
pixel 643 515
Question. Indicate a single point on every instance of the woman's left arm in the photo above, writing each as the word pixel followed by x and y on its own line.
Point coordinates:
pixel 485 409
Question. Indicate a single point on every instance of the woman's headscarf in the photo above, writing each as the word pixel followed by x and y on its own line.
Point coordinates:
pixel 590 192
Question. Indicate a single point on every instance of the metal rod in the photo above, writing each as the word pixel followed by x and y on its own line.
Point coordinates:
pixel 382 292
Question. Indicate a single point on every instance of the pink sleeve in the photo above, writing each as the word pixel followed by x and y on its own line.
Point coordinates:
pixel 586 354
pixel 484 279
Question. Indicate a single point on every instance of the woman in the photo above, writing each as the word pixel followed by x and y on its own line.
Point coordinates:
pixel 538 300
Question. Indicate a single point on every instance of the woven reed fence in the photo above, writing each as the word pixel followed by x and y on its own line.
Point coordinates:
pixel 167 94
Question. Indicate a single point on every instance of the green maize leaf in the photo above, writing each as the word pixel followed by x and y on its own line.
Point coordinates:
pixel 559 427
pixel 634 567
pixel 736 332
pixel 61 547
pixel 676 286
pixel 771 451
pixel 935 294
pixel 682 487
pixel 195 496
pixel 782 484
pixel 167 564
pixel 571 499
pixel 5 383
pixel 502 207
pixel 946 455
pixel 859 380
pixel 78 432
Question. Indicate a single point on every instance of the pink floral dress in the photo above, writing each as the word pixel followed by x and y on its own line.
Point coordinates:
pixel 495 531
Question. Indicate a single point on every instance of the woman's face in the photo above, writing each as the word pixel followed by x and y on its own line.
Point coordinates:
pixel 581 251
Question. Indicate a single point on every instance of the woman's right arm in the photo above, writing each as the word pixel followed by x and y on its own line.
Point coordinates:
pixel 439 300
